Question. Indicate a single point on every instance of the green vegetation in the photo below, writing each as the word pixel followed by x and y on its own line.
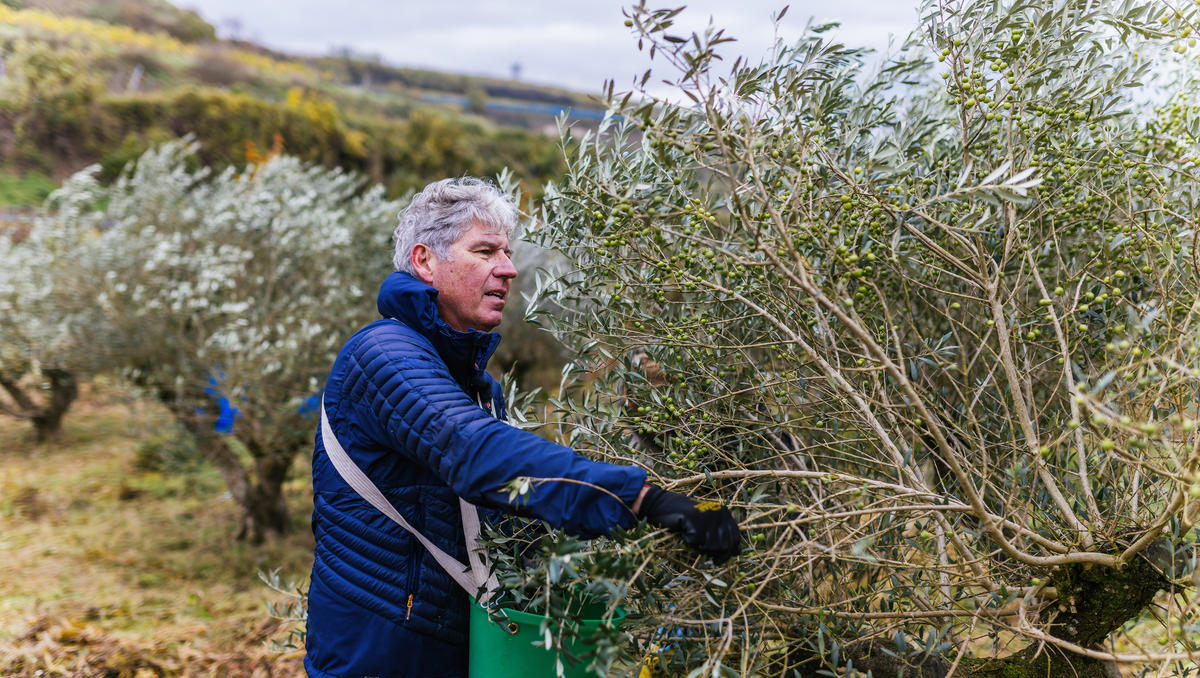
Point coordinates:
pixel 145 16
pixel 402 154
pixel 28 189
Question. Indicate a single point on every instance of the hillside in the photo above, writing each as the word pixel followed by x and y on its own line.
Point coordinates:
pixel 343 67
pixel 146 16
pixel 99 81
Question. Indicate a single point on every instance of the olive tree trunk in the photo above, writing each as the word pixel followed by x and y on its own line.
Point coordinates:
pixel 259 492
pixel 254 475
pixel 46 416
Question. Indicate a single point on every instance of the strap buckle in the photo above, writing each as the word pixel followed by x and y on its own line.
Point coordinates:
pixel 499 615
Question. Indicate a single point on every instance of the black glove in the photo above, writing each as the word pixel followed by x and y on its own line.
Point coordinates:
pixel 705 526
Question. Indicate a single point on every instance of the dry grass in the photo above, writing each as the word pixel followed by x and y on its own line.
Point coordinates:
pixel 106 570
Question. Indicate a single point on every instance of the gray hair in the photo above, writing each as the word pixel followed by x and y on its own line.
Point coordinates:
pixel 441 213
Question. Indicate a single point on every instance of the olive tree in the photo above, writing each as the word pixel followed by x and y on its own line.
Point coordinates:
pixel 226 296
pixel 930 326
pixel 49 332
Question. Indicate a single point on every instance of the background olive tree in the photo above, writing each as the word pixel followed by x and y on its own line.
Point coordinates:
pixel 234 286
pixel 930 327
pixel 50 335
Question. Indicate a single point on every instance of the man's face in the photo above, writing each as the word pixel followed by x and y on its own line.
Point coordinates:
pixel 473 283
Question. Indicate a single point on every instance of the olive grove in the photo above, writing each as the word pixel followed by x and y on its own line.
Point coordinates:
pixel 929 324
pixel 225 296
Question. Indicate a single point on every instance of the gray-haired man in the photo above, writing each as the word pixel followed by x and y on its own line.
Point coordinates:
pixel 410 401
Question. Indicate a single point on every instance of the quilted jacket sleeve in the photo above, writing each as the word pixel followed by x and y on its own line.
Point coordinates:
pixel 420 410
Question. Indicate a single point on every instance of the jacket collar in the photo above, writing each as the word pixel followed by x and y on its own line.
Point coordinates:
pixel 414 303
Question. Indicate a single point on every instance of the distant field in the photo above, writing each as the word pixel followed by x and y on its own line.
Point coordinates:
pixel 109 570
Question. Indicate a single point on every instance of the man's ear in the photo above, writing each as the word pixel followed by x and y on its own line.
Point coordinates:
pixel 423 262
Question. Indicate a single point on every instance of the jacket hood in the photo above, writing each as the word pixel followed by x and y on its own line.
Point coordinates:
pixel 414 303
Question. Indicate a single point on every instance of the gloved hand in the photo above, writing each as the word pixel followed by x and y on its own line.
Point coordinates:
pixel 705 526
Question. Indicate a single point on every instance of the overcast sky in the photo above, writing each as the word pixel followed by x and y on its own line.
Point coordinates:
pixel 569 43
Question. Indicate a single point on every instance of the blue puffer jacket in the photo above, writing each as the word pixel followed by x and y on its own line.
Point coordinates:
pixel 403 399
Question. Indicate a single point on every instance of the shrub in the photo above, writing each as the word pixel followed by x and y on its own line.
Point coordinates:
pixel 171 451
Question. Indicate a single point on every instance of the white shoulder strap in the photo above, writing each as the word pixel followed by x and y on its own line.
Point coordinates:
pixel 470 579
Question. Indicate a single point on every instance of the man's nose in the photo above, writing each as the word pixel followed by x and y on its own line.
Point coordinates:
pixel 505 269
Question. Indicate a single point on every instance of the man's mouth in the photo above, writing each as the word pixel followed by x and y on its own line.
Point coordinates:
pixel 497 294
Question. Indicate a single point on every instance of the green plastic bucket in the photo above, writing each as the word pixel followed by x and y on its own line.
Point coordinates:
pixel 507 650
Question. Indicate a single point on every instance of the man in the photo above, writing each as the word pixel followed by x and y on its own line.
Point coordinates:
pixel 409 400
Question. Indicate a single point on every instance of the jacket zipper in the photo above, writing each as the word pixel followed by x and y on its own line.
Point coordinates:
pixel 414 567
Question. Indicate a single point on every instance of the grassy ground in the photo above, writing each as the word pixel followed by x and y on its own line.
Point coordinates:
pixel 110 570
pixel 27 189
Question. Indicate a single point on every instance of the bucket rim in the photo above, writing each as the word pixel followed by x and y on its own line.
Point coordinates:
pixel 528 617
